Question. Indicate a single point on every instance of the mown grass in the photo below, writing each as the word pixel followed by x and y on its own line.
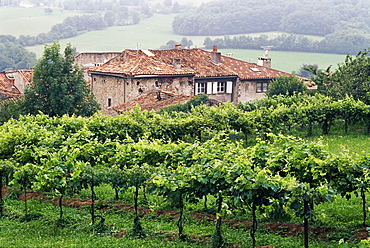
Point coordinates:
pixel 30 21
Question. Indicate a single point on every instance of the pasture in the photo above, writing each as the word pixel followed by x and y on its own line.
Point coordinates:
pixel 156 31
pixel 30 21
pixel 151 33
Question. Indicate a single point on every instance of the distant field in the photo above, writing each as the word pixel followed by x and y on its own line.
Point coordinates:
pixel 184 2
pixel 29 21
pixel 149 34
pixel 288 61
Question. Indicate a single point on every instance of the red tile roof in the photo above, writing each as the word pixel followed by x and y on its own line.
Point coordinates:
pixel 246 70
pixel 193 61
pixel 151 102
pixel 7 87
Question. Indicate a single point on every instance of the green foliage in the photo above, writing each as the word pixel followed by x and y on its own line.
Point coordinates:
pixel 352 78
pixel 285 85
pixel 13 56
pixel 58 86
pixel 186 107
pixel 10 109
pixel 188 156
pixel 343 24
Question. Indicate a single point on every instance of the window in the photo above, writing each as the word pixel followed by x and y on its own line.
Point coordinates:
pixel 201 89
pixel 262 87
pixel 221 87
pixel 109 102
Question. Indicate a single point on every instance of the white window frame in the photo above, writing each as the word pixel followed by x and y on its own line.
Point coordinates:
pixel 221 87
pixel 201 88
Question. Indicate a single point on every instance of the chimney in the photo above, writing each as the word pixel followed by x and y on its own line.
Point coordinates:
pixel 215 56
pixel 265 60
pixel 178 46
pixel 11 85
pixel 176 62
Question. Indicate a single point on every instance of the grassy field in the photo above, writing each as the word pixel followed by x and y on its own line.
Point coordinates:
pixel 42 231
pixel 29 21
pixel 156 31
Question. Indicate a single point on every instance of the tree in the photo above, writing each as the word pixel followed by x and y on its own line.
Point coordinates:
pixel 176 8
pixel 58 86
pixel 286 86
pixel 352 78
pixel 13 56
pixel 48 11
pixel 10 108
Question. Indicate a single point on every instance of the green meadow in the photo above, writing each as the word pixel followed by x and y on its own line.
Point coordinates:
pixel 30 21
pixel 151 33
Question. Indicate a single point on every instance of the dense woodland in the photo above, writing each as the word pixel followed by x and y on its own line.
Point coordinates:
pixel 14 55
pixel 344 23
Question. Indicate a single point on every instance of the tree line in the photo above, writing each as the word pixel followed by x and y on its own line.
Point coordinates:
pixel 338 43
pixel 343 22
pixel 13 55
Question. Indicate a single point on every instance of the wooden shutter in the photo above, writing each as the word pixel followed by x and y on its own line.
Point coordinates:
pixel 214 87
pixel 229 87
pixel 209 88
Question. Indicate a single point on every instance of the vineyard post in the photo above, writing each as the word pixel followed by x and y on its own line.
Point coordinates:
pixel 1 194
pixel 306 213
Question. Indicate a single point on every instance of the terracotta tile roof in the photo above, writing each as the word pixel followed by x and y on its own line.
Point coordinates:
pixel 193 61
pixel 151 102
pixel 246 70
pixel 7 87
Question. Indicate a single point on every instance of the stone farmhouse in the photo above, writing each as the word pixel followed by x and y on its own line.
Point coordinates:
pixel 189 72
pixel 136 73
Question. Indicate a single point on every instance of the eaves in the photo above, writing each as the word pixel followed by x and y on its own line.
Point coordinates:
pixel 211 78
pixel 252 79
pixel 140 76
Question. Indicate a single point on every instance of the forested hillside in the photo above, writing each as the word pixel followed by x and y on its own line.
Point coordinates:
pixel 344 23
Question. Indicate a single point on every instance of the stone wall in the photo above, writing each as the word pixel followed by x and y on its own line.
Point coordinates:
pixel 111 91
pixel 247 91
pixel 93 59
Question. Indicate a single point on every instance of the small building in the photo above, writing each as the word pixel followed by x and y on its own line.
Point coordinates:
pixel 26 4
pixel 189 72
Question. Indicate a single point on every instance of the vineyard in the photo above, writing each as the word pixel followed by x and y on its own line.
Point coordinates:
pixel 246 160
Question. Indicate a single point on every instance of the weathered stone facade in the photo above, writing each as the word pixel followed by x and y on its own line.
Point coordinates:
pixel 112 90
pixel 247 90
pixel 189 72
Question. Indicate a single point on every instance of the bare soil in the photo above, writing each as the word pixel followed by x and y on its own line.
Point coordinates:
pixel 285 229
